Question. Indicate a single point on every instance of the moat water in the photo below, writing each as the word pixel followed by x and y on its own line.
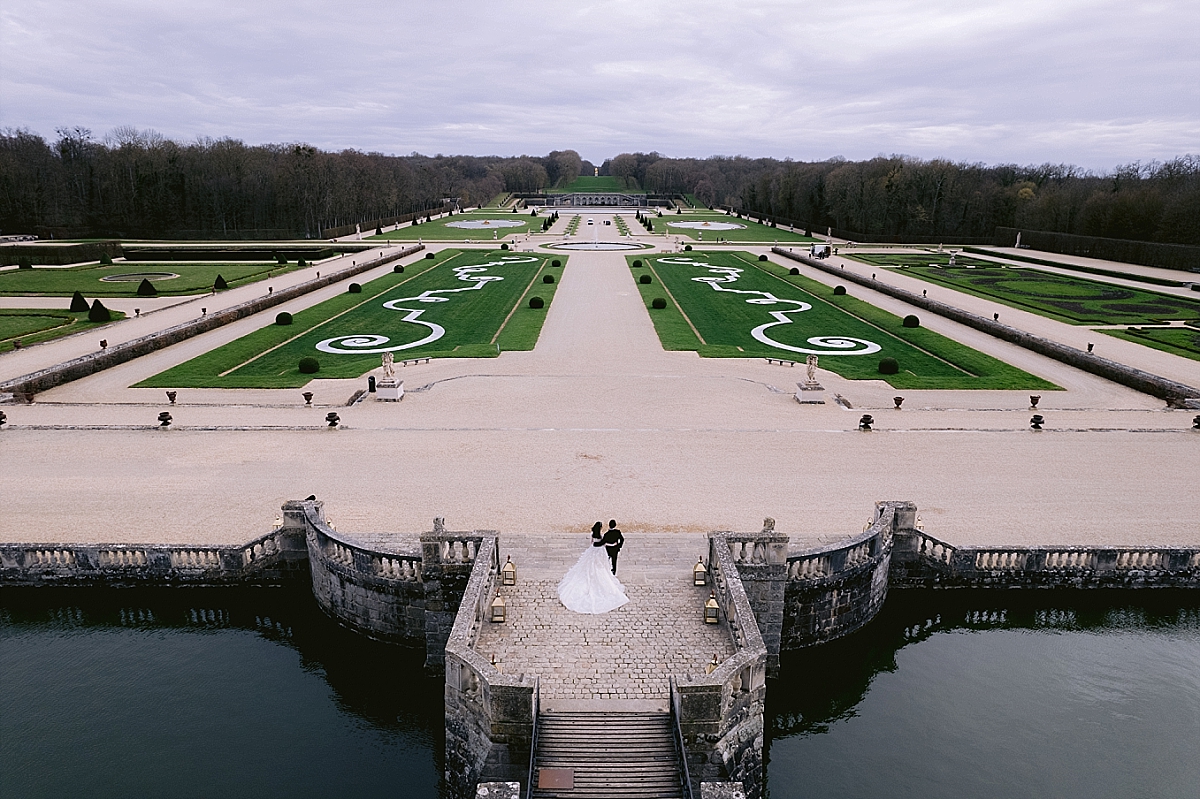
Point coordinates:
pixel 254 693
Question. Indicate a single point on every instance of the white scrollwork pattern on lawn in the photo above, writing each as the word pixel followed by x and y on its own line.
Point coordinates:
pixel 719 276
pixel 373 344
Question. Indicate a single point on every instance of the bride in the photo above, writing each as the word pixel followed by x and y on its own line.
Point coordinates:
pixel 590 586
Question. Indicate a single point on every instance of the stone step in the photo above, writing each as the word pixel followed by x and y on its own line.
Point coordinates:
pixel 614 755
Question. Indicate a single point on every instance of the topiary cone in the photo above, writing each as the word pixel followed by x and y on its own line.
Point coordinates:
pixel 146 288
pixel 98 313
pixel 219 284
pixel 78 303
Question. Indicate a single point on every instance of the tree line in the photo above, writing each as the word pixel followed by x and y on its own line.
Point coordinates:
pixel 901 197
pixel 133 183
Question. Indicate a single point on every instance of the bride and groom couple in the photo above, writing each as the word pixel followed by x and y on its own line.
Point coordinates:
pixel 591 585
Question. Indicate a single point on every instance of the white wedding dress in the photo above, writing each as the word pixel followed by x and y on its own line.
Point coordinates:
pixel 590 586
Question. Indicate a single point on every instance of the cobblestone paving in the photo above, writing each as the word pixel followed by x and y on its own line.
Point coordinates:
pixel 627 653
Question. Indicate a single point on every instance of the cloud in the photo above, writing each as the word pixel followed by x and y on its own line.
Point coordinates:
pixel 1076 81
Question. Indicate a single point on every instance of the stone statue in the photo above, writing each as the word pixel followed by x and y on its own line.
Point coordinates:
pixel 811 363
pixel 768 525
pixel 952 256
pixel 389 369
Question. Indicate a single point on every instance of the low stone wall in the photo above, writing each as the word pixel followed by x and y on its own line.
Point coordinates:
pixel 489 715
pixel 834 590
pixel 920 560
pixel 1136 379
pixel 27 386
pixel 721 713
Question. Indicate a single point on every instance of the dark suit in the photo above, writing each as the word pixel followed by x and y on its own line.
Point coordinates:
pixel 613 540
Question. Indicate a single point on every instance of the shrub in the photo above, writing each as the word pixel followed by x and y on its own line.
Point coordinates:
pixel 309 365
pixel 794 271
pixel 283 318
pixel 547 278
pixel 644 279
pixel 556 262
pixel 839 291
pixel 279 259
pixel 98 313
pixel 379 230
pixel 24 262
pixel 398 268
pixel 687 247
pixel 301 263
pixel 355 288
pixel 659 303
pixel 888 366
pixel 912 321
pixel 219 284
pixel 504 246
pixel 146 288
pixel 429 255
pixel 762 257
pixel 78 303
pixel 537 302
pixel 637 263
pixel 105 259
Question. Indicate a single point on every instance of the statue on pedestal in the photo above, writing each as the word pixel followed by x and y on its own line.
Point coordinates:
pixel 389 367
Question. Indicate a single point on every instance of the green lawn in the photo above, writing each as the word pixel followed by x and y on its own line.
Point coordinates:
pixel 440 230
pixel 1070 299
pixel 750 232
pixel 32 325
pixel 702 285
pixel 602 183
pixel 1183 341
pixel 194 278
pixel 915 259
pixel 461 304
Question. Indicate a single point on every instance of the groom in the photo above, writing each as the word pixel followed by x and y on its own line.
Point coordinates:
pixel 613 541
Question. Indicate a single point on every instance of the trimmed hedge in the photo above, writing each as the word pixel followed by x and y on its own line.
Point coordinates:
pixel 146 288
pixel 637 262
pixel 794 271
pixel 428 254
pixel 504 246
pixel 912 321
pixel 283 318
pixel 536 302
pixel 219 284
pixel 79 303
pixel 645 279
pixel 762 257
pixel 658 303
pixel 309 365
pixel 98 313
pixel 354 288
pixel 398 269
pixel 556 262
pixel 547 278
pixel 839 290
pixel 888 366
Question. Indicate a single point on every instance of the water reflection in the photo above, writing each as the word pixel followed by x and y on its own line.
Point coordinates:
pixel 197 692
pixel 989 693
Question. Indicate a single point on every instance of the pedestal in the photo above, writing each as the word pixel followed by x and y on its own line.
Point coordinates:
pixel 805 393
pixel 389 389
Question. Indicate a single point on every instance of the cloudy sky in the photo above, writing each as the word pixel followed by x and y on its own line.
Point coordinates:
pixel 1091 83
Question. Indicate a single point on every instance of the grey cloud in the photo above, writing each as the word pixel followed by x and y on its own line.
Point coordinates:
pixel 1005 80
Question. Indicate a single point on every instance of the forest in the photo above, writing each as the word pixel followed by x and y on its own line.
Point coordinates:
pixel 132 183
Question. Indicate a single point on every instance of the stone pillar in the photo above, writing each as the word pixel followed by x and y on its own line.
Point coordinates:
pixel 762 568
pixel 446 562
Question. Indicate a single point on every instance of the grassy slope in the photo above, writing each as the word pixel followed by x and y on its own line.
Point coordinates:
pixel 1069 299
pixel 471 320
pixel 927 359
pixel 193 278
pixel 753 231
pixel 1177 341
pixel 34 325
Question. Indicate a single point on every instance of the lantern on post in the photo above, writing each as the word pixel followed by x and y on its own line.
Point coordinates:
pixel 699 573
pixel 712 665
pixel 712 611
pixel 499 610
pixel 508 574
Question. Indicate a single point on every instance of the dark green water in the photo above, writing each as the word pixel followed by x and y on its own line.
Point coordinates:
pixel 241 693
pixel 964 694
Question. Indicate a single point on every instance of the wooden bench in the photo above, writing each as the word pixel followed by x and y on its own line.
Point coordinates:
pixel 781 361
pixel 414 360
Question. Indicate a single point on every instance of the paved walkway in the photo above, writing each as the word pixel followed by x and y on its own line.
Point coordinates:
pixel 626 654
pixel 599 419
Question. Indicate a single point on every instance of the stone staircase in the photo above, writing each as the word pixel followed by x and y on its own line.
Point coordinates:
pixel 613 755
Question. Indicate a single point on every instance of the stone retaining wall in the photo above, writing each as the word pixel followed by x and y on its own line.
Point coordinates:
pixel 26 386
pixel 1136 379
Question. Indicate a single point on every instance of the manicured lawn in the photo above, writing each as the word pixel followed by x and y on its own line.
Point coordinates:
pixel 728 297
pixel 460 304
pixel 914 259
pixel 1183 341
pixel 30 326
pixel 751 231
pixel 602 183
pixel 194 278
pixel 1070 299
pixel 441 230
